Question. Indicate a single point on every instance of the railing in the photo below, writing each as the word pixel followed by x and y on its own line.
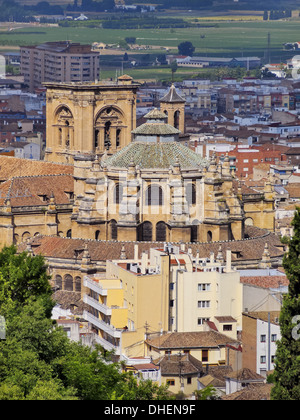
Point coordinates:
pixel 109 329
pixel 97 305
pixel 87 282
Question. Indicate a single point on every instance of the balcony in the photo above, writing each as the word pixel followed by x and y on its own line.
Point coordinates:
pixel 97 305
pixel 88 282
pixel 109 329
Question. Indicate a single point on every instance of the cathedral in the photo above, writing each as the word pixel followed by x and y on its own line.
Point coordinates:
pixel 105 178
pixel 140 183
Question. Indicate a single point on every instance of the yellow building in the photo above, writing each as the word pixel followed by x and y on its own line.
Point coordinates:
pixel 130 296
pixel 163 292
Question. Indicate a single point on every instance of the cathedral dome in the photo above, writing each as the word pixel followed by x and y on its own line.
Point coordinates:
pixel 162 155
pixel 155 146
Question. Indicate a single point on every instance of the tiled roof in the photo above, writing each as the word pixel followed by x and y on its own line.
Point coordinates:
pixel 250 249
pixel 156 155
pixel 172 96
pixel 37 190
pixel 155 114
pixel 264 316
pixel 156 129
pixel 255 392
pixel 11 166
pixel 266 282
pixel 176 365
pixel 188 340
pixel 245 374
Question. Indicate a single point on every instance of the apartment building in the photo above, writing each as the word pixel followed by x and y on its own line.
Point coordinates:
pixel 61 61
pixel 166 291
pixel 261 331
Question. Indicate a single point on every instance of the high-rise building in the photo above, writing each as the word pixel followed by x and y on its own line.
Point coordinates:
pixel 58 62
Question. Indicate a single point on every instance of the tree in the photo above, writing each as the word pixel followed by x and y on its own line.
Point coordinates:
pixel 286 376
pixel 173 67
pixel 23 276
pixel 37 360
pixel 266 15
pixel 186 48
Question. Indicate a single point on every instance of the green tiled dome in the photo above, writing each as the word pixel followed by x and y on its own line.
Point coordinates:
pixel 156 155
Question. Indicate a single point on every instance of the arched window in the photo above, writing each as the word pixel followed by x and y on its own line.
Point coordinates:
pixel 118 137
pixel 209 236
pixel 58 282
pixel 107 134
pixel 154 196
pixel 176 119
pixel 25 236
pixel 145 232
pixel 194 233
pixel 161 232
pixel 68 280
pixel 77 284
pixel 96 140
pixel 69 233
pixel 190 193
pixel 118 193
pixel 97 235
pixel 113 230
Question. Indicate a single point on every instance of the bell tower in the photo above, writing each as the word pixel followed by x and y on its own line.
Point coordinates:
pixel 172 104
pixel 85 118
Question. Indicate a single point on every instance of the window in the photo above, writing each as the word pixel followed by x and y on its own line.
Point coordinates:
pixel 204 356
pixel 118 193
pixel 189 380
pixel 274 337
pixel 203 287
pixel 154 196
pixel 170 382
pixel 263 338
pixel 227 327
pixel 246 160
pixel 262 359
pixel 203 303
pixel 191 193
pixel 161 232
pixel 201 321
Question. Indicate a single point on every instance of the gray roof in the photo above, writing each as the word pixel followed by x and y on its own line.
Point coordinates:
pixel 156 129
pixel 156 155
pixel 172 96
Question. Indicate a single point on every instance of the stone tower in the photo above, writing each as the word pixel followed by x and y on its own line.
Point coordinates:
pixel 172 104
pixel 84 118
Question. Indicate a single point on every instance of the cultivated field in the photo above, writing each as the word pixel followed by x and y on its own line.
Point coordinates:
pixel 233 38
pixel 214 38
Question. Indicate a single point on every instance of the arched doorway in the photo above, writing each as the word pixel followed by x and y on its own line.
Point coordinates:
pixel 145 232
pixel 161 232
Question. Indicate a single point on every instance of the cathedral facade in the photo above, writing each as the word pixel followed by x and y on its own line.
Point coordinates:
pixel 123 182
pixel 137 183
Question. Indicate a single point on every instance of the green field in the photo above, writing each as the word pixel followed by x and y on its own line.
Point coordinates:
pixel 228 39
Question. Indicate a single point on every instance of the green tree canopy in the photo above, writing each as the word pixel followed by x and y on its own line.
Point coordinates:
pixel 286 377
pixel 186 48
pixel 37 360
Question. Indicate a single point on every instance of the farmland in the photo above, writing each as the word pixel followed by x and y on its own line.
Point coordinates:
pixel 222 38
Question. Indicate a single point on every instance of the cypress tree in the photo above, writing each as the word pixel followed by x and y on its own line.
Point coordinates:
pixel 286 377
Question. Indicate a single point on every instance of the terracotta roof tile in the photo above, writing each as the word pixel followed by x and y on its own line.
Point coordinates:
pixel 266 282
pixel 11 166
pixel 189 340
pixel 37 190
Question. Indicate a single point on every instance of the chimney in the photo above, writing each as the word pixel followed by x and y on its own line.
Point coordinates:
pixel 136 252
pixel 144 264
pixel 228 261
